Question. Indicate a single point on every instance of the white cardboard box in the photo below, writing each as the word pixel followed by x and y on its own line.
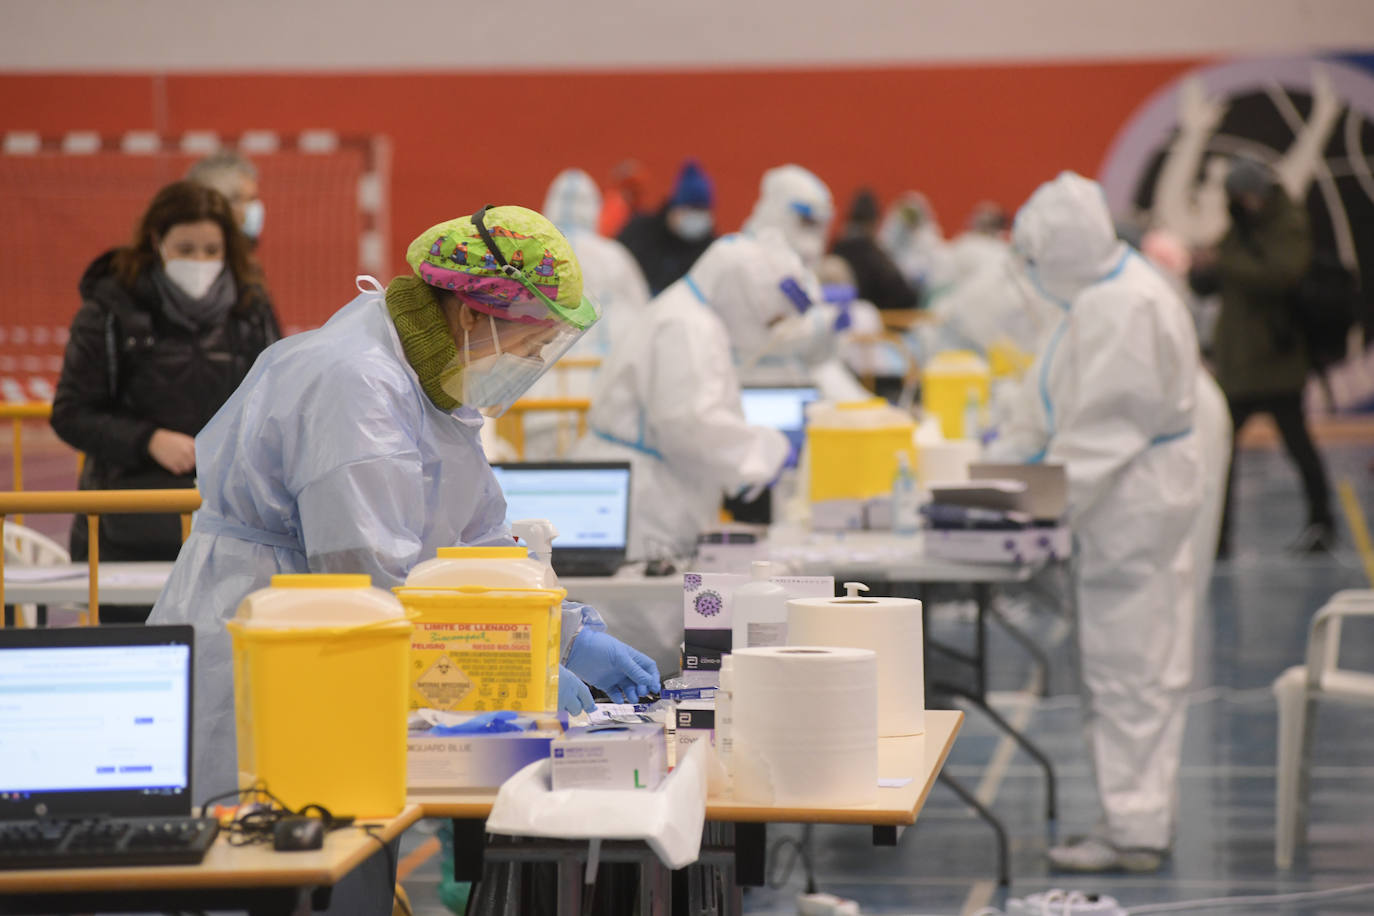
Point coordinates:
pixel 628 757
pixel 1029 545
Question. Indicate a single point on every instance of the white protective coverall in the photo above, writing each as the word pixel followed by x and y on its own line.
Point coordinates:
pixel 610 276
pixel 910 234
pixel 1112 397
pixel 796 204
pixel 668 400
pixel 328 458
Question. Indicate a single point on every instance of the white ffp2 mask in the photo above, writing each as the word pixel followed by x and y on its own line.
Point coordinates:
pixel 254 215
pixel 497 380
pixel 194 277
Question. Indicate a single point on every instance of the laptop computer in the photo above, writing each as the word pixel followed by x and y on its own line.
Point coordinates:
pixel 587 501
pixel 95 747
pixel 783 409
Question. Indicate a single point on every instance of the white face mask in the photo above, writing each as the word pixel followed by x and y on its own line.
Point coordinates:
pixel 254 214
pixel 693 225
pixel 194 277
pixel 497 380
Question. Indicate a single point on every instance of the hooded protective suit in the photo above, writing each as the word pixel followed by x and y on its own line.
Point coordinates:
pixel 793 201
pixel 911 235
pixel 611 276
pixel 668 400
pixel 609 272
pixel 328 458
pixel 803 347
pixel 1112 397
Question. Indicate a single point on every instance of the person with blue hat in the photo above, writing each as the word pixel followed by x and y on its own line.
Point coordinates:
pixel 667 243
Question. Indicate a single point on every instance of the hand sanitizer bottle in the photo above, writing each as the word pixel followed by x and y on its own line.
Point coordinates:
pixel 906 499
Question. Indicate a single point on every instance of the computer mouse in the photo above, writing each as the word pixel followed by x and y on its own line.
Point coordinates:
pixel 659 568
pixel 294 834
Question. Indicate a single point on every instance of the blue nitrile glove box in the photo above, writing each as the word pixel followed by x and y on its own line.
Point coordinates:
pixel 460 762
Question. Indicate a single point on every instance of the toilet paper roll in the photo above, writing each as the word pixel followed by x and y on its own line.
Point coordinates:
pixel 946 462
pixel 891 627
pixel 805 726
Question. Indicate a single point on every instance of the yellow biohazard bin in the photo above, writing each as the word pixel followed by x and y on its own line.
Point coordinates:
pixel 320 682
pixel 852 448
pixel 478 649
pixel 951 384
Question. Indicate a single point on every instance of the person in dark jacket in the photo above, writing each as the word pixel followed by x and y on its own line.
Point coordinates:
pixel 667 243
pixel 1261 361
pixel 168 327
pixel 878 279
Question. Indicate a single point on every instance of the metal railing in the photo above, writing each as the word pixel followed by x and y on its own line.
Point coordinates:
pixel 93 504
pixel 18 414
pixel 511 425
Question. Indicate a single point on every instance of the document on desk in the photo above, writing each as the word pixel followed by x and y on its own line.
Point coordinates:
pixel 153 578
pixel 42 573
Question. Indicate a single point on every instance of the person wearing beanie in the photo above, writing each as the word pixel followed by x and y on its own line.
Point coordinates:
pixel 667 243
pixel 876 276
pixel 1262 363
pixel 354 448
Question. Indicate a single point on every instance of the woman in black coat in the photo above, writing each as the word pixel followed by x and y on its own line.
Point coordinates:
pixel 168 327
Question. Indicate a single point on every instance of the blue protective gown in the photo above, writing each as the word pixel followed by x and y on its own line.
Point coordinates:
pixel 329 458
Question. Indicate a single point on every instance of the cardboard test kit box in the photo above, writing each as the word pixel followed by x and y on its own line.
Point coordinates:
pixel 619 757
pixel 707 612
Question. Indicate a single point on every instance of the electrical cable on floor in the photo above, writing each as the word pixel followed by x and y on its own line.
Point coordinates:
pixel 1257 900
pixel 800 848
pixel 1057 902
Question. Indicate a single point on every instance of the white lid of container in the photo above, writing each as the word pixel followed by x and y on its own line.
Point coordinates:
pixel 318 600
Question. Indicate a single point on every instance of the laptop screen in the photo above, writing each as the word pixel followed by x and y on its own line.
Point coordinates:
pixel 782 409
pixel 95 721
pixel 588 502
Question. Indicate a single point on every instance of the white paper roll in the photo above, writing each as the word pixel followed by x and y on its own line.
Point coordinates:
pixel 805 726
pixel 891 627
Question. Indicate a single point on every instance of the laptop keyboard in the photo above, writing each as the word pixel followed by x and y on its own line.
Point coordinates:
pixel 103 842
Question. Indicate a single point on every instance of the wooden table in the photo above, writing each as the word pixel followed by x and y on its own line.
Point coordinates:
pixel 918 758
pixel 252 878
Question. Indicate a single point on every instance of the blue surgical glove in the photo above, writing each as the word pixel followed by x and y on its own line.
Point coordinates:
pixel 573 695
pixel 844 320
pixel 603 661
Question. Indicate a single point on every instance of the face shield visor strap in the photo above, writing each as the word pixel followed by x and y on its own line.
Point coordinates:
pixel 581 317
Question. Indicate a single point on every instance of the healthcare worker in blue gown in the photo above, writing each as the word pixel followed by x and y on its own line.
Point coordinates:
pixel 355 448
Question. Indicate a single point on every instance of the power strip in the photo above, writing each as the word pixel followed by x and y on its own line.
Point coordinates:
pixel 1064 903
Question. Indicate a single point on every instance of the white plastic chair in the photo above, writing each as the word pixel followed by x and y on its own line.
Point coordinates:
pixel 1297 690
pixel 26 547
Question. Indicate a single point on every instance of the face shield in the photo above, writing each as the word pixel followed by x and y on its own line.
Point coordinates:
pixel 502 358
pixel 806 229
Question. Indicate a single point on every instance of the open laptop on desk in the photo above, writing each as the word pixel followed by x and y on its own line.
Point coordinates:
pixel 95 748
pixel 587 501
pixel 783 409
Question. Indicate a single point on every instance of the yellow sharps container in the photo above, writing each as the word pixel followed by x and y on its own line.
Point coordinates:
pixel 320 682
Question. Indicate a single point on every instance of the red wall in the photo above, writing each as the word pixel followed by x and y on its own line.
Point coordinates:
pixel 961 134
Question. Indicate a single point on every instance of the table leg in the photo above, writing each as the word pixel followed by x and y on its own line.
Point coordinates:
pixel 751 853
pixel 1042 660
pixel 469 849
pixel 569 885
pixel 1003 856
pixel 1051 804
